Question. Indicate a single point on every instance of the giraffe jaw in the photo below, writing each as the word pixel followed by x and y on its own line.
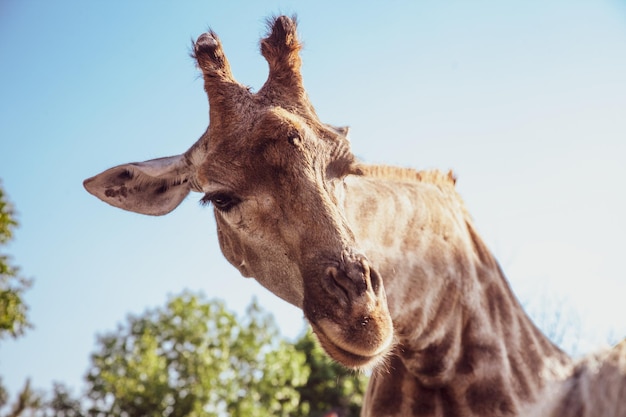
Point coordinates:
pixel 359 350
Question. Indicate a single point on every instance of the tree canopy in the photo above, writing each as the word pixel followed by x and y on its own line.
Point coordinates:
pixel 13 310
pixel 194 358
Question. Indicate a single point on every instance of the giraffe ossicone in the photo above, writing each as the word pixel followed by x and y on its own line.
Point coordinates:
pixel 385 262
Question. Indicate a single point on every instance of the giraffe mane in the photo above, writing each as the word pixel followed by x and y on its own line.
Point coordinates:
pixel 443 181
pixel 433 176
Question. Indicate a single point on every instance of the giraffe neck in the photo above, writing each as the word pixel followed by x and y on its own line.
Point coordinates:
pixel 465 345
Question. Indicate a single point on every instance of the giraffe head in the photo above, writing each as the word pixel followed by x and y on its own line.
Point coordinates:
pixel 274 175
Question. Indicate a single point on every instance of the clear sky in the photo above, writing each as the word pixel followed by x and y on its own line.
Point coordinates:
pixel 525 100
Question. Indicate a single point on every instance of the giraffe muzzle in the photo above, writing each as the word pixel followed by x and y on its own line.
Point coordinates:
pixel 354 326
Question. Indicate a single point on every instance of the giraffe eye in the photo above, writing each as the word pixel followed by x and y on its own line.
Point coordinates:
pixel 221 201
pixel 295 139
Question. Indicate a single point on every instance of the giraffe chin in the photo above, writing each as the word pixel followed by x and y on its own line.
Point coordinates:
pixel 357 355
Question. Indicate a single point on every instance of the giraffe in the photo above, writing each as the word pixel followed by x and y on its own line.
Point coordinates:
pixel 385 262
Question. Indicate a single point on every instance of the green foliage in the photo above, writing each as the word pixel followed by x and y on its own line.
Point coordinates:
pixel 330 386
pixel 13 310
pixel 4 395
pixel 7 221
pixel 33 403
pixel 27 399
pixel 193 358
pixel 62 403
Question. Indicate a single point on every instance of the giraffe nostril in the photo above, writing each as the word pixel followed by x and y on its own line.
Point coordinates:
pixel 351 279
pixel 336 280
pixel 358 273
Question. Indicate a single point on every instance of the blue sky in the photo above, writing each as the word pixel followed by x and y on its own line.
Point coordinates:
pixel 525 100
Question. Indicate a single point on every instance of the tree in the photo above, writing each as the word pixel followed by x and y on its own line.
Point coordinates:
pixel 193 358
pixel 27 399
pixel 558 320
pixel 330 386
pixel 4 395
pixel 62 404
pixel 13 310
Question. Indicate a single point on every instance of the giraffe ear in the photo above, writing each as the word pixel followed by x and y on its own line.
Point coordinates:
pixel 153 187
pixel 342 130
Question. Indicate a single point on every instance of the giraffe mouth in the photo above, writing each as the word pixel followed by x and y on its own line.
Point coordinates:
pixel 347 309
pixel 353 350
